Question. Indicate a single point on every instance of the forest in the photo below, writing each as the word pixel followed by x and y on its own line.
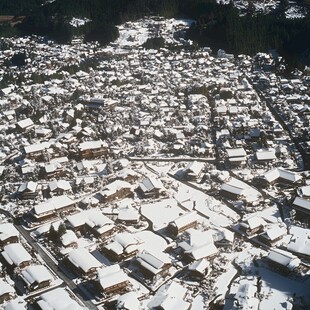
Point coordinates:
pixel 217 26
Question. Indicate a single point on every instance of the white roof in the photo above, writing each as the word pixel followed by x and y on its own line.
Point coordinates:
pixel 266 155
pixel 68 238
pixel 111 275
pixel 25 123
pixel 128 301
pixel 60 184
pixel 305 190
pixel 8 230
pixel 282 173
pixel 150 183
pixel 36 273
pixel 92 145
pixel 115 186
pixel 195 167
pixel 284 258
pixel 254 222
pixel 128 214
pixel 15 305
pixel 84 260
pixel 31 186
pixel 37 147
pixel 302 203
pixel 93 218
pixel 237 152
pixel 153 262
pixel 58 299
pixel 15 254
pixel 275 232
pixel 185 219
pixel 52 204
pixel 5 288
pixel 206 250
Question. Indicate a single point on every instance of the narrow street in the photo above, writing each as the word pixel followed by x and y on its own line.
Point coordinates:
pixel 59 269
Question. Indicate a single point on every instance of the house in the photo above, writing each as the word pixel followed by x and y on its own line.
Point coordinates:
pixel 37 277
pixel 198 269
pixel 116 190
pixel 69 239
pixel 272 235
pixel 58 299
pixel 8 234
pixel 196 245
pixel 59 187
pixel 112 280
pixel 154 265
pixel 194 170
pixel 7 292
pixel 52 170
pixel 150 188
pixel 35 151
pixel 245 298
pixel 83 262
pixel 302 206
pixel 283 260
pixel 16 255
pixel 51 208
pixel 28 190
pixel 91 220
pixel 182 223
pixel 236 155
pixel 128 215
pixel 24 125
pixel 92 149
pixel 125 245
pixel 282 175
pixel 169 297
pixel 252 225
pixel 263 156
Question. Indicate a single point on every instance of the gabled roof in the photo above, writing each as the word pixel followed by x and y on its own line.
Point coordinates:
pixel 15 254
pixel 284 258
pixel 84 260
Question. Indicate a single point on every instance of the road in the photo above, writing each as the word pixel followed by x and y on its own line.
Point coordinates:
pixel 59 269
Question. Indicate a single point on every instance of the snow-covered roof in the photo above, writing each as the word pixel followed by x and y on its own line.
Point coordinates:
pixel 282 173
pixel 84 260
pixel 92 145
pixel 153 262
pixel 185 219
pixel 37 147
pixel 36 274
pixel 302 203
pixel 29 186
pixel 5 288
pixel 195 167
pixel 55 203
pixel 27 122
pixel 266 155
pixel 8 230
pixel 284 258
pixel 236 152
pixel 150 183
pixel 60 184
pixel 170 297
pixel 15 254
pixel 111 275
pixel 15 305
pixel 68 237
pixel 58 299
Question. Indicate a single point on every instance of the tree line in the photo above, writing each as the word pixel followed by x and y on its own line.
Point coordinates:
pixel 217 26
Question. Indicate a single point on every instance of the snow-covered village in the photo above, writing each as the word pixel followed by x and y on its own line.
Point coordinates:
pixel 138 178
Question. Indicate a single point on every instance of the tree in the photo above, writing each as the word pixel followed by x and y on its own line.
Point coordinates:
pixel 62 230
pixel 52 234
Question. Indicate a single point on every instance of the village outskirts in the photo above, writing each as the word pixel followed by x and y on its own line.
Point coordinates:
pixel 140 178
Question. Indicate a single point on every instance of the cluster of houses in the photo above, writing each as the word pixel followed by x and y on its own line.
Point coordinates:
pixel 148 176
